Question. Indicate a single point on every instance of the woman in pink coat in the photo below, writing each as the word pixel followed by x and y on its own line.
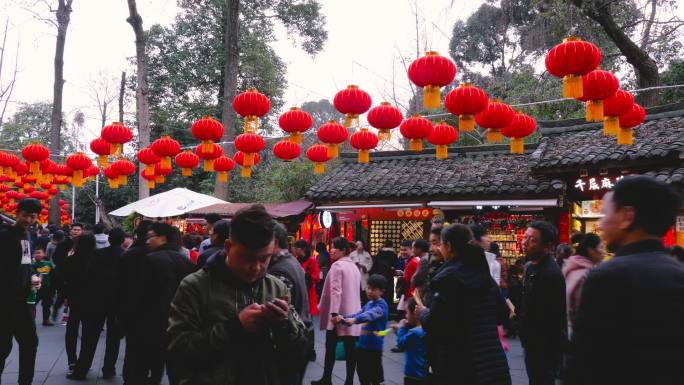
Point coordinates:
pixel 588 253
pixel 340 297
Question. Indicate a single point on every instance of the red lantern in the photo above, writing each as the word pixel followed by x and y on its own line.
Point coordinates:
pixel 150 177
pixel 112 177
pixel 91 172
pixel 364 141
pixel 79 162
pixel 251 105
pixel 521 127
pixel 249 143
pixel 318 154
pixel 47 167
pixel 385 117
pixel 295 122
pixel 613 107
pixel 7 163
pixel 215 151
pixel 102 148
pixel 442 135
pixel 466 101
pixel 123 168
pixel 117 135
pixel 571 60
pixel 165 148
pixel 246 170
pixel 62 173
pixel 52 191
pixel 186 160
pixel 34 153
pixel 633 117
pixel 223 166
pixel 162 171
pixel 352 102
pixel 287 150
pixel 598 85
pixel 496 116
pixel 415 129
pixel 332 134
pixel 432 72
pixel 208 130
pixel 147 157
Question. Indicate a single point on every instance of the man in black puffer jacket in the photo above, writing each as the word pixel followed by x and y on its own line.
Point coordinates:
pixel 15 287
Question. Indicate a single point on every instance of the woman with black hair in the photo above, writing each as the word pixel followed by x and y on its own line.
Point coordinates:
pixel 462 341
pixel 589 252
pixel 74 271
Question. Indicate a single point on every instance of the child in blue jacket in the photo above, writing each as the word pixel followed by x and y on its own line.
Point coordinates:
pixel 410 338
pixel 369 348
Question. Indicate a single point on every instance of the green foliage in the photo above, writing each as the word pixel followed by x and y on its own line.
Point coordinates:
pixel 112 199
pixel 321 111
pixel 31 123
pixel 673 76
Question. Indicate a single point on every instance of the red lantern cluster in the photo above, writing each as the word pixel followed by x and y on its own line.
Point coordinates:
pixel 214 152
pixel 613 107
pixel 35 153
pixel 466 101
pixel 571 60
pixel 494 117
pixel 117 135
pixel 432 72
pixel 165 148
pixel 250 144
pixel 207 130
pixel 79 163
pixel 597 86
pixel 246 171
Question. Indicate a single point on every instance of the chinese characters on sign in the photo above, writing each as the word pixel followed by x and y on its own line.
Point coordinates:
pixel 596 183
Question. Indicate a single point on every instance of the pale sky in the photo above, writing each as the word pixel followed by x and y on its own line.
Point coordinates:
pixel 365 39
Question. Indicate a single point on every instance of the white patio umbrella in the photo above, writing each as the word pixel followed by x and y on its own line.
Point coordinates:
pixel 168 204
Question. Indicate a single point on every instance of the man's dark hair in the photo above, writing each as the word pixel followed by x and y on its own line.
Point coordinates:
pixel 564 251
pixel 301 244
pixel 655 203
pixel 77 224
pixel 116 236
pixel 411 305
pixel 280 235
pixel 140 233
pixel 341 244
pixel 478 231
pixel 252 227
pixel 495 249
pixel 212 218
pixel 29 205
pixel 388 243
pixel 58 236
pixel 39 248
pixel 422 244
pixel 99 228
pixel 588 241
pixel 377 281
pixel 165 230
pixel 548 232
pixel 406 243
pixel 222 231
pixel 436 231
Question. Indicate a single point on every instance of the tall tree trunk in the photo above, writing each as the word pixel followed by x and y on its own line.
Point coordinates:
pixel 645 68
pixel 142 89
pixel 63 15
pixel 230 72
pixel 104 115
pixel 122 91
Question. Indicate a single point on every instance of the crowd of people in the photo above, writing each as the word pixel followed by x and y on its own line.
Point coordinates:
pixel 240 307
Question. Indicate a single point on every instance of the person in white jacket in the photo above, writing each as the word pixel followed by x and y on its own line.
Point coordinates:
pixel 363 261
pixel 480 236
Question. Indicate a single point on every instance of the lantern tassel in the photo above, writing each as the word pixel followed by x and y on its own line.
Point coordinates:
pixel 251 124
pixel 319 168
pixel 296 137
pixel 624 136
pixel 113 183
pixel 187 171
pixel 572 86
pixel 594 110
pixel 494 136
pixel 166 162
pixel 62 187
pixel 351 120
pixel 207 146
pixel 466 123
pixel 364 156
pixel 249 159
pixel 150 184
pixel 102 160
pixel 159 178
pixel 246 172
pixel 442 152
pixel 333 150
pixel 517 145
pixel 384 134
pixel 34 168
pixel 223 177
pixel 209 165
pixel 611 125
pixel 77 179
pixel 149 169
pixel 431 97
pixel 122 180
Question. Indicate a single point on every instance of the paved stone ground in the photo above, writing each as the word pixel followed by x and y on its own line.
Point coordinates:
pixel 51 363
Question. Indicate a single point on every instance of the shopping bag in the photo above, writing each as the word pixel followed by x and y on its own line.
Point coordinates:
pixel 340 352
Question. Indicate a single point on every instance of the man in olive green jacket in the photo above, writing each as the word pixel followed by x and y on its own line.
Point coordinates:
pixel 231 323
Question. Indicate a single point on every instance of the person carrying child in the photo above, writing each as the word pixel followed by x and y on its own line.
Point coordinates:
pixel 410 339
pixel 43 267
pixel 369 347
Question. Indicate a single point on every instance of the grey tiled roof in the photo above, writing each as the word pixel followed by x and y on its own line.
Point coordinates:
pixel 657 141
pixel 668 175
pixel 405 177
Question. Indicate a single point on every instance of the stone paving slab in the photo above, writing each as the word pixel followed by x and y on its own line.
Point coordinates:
pixel 51 362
